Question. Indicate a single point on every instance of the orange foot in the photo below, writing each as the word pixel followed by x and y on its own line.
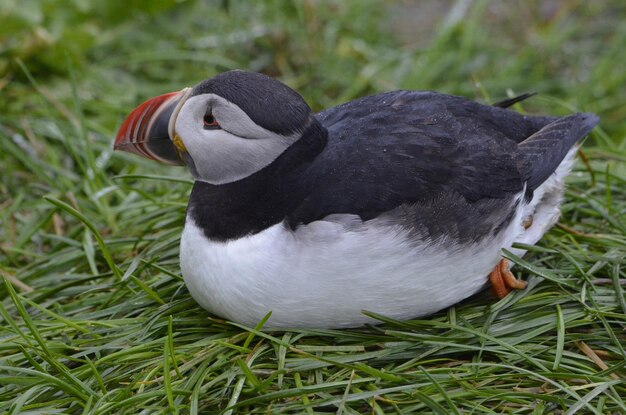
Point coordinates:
pixel 503 281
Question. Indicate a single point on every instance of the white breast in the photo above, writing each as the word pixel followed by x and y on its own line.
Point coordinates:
pixel 325 274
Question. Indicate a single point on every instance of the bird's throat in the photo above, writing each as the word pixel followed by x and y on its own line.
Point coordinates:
pixel 248 206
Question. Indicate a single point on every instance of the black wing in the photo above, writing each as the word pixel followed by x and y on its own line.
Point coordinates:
pixel 409 147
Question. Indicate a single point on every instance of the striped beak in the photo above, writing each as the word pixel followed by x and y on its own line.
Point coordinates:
pixel 149 130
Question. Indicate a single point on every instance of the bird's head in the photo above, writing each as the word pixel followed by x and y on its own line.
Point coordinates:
pixel 224 129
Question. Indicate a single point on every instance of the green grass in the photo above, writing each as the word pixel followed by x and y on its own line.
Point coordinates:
pixel 94 316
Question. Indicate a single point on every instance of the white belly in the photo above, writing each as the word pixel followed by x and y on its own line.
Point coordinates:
pixel 324 275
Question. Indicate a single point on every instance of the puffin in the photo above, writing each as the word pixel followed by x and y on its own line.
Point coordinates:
pixel 399 203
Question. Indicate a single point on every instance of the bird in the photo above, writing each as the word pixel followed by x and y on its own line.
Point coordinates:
pixel 398 204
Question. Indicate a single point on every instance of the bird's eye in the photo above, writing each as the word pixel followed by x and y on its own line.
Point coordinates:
pixel 210 123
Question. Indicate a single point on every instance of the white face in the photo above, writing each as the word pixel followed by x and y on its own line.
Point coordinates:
pixel 235 150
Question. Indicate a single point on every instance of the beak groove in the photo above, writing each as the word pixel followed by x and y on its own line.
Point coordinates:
pixel 145 131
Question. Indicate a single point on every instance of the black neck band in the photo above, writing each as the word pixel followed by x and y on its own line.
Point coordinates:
pixel 250 205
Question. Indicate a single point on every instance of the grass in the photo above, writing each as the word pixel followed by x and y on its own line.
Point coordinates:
pixel 94 317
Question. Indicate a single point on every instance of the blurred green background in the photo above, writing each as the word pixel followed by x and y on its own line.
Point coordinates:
pixel 331 51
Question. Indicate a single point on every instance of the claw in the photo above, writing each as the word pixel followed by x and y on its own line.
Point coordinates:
pixel 503 281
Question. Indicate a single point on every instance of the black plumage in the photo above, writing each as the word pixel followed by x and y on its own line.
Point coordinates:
pixel 445 165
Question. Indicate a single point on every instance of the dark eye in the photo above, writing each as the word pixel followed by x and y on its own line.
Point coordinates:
pixel 210 123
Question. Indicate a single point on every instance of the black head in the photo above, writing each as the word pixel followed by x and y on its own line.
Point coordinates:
pixel 268 102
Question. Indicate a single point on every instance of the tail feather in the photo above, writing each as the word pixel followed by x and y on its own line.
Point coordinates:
pixel 509 102
pixel 543 151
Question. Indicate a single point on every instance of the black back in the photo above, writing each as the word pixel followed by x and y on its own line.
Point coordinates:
pixel 409 147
